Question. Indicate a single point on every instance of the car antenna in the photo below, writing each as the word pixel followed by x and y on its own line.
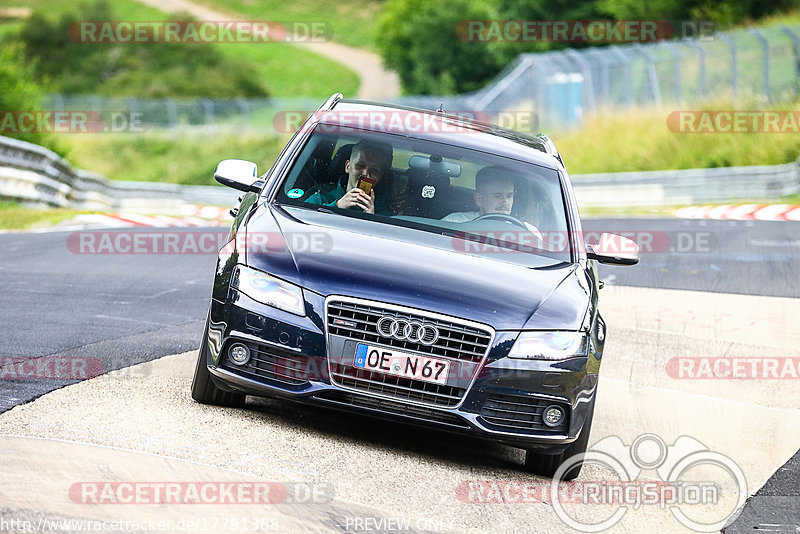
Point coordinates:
pixel 441 108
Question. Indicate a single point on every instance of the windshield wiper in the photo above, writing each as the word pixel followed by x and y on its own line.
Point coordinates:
pixel 325 210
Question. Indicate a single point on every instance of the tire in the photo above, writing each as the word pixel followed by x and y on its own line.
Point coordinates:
pixel 204 390
pixel 547 464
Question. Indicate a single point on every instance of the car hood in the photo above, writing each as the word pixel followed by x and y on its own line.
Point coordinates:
pixel 330 255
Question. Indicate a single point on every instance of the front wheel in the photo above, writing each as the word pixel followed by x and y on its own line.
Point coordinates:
pixel 204 390
pixel 547 464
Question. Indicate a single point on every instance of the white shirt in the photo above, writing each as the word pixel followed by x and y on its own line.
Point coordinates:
pixel 466 216
pixel 461 216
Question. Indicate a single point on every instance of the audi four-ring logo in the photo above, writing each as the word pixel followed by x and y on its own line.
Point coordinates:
pixel 407 330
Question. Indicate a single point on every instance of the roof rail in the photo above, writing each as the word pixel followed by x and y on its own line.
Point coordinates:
pixel 332 101
pixel 550 146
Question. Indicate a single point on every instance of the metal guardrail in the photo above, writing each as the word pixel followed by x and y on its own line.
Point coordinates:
pixel 34 174
pixel 687 186
pixel 31 173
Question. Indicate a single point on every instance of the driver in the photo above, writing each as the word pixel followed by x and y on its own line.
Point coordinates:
pixel 494 193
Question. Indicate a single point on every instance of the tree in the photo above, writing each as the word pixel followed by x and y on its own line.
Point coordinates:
pixel 20 93
pixel 419 39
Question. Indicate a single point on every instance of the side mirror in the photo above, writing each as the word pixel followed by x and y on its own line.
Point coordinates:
pixel 239 174
pixel 614 249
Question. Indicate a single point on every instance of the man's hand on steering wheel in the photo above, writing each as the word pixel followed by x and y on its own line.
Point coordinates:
pixel 502 217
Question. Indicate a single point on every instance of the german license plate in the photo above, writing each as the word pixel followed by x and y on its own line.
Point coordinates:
pixel 398 363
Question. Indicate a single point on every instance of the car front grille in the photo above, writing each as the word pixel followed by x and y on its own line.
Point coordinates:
pixel 395 386
pixel 517 412
pixel 456 341
pixel 273 364
pixel 399 408
pixel 359 321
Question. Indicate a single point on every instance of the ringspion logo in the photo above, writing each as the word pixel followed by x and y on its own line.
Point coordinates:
pixel 681 477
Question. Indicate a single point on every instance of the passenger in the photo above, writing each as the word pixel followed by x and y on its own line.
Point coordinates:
pixel 368 159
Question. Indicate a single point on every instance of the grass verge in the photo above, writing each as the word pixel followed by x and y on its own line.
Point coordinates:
pixel 15 216
pixel 285 70
pixel 181 158
pixel 641 140
pixel 352 22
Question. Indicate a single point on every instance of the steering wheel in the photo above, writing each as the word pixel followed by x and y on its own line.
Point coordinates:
pixel 501 217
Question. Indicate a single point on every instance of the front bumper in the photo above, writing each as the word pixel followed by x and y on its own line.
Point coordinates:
pixel 290 360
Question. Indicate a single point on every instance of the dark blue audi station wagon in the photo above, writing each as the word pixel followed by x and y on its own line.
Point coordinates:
pixel 416 266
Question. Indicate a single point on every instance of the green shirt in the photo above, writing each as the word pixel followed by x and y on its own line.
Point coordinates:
pixel 329 198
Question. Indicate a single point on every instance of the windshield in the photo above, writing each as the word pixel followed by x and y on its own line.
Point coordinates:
pixel 486 203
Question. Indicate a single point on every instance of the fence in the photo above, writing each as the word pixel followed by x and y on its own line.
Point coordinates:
pixel 564 86
pixel 559 87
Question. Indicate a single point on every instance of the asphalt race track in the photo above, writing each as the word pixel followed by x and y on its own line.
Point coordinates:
pixel 702 288
pixel 745 257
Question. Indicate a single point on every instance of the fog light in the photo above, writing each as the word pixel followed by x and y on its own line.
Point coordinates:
pixel 239 354
pixel 553 416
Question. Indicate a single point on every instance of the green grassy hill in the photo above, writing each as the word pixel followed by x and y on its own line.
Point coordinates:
pixel 352 22
pixel 170 70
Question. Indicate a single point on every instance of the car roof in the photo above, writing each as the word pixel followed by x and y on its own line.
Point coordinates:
pixel 470 134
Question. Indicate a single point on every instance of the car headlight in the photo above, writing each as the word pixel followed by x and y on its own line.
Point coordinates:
pixel 548 345
pixel 269 290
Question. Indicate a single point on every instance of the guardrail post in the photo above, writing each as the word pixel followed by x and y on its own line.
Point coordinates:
pixel 244 108
pixel 702 87
pixel 57 101
pixel 626 64
pixel 796 51
pixel 734 66
pixel 172 113
pixel 676 67
pixel 765 45
pixel 587 88
pixel 652 76
pixel 601 96
pixel 208 108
